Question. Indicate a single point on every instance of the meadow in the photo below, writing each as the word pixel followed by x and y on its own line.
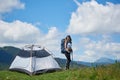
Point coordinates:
pixel 108 72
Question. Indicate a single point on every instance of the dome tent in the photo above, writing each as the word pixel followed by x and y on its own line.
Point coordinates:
pixel 33 60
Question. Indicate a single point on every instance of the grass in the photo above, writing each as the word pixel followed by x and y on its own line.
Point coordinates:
pixel 109 72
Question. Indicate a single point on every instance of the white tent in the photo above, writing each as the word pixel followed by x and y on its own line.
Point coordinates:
pixel 34 60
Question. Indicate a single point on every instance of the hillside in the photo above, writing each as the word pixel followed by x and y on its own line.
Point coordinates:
pixel 8 53
pixel 99 62
pixel 109 72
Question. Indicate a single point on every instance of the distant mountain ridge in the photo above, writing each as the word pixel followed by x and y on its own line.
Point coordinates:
pixel 8 53
pixel 105 60
pixel 101 61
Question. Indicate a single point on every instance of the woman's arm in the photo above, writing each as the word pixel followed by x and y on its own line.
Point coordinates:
pixel 65 45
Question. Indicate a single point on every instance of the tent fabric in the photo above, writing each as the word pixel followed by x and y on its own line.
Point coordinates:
pixel 37 53
pixel 33 62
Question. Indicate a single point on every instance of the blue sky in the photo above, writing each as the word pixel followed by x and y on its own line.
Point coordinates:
pixel 47 13
pixel 93 24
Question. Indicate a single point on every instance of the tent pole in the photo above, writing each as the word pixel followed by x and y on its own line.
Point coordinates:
pixel 72 59
pixel 31 59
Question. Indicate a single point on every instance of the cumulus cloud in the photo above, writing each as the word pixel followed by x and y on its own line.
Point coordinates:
pixel 97 49
pixel 98 20
pixel 94 18
pixel 18 32
pixel 52 40
pixel 8 5
pixel 52 33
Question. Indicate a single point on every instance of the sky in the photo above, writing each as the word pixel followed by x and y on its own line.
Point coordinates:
pixel 94 26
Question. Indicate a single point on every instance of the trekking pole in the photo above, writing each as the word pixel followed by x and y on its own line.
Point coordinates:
pixel 72 58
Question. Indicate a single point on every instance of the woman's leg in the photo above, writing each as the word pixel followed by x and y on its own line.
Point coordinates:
pixel 68 60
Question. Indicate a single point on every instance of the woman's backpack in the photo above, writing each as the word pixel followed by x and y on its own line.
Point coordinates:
pixel 62 46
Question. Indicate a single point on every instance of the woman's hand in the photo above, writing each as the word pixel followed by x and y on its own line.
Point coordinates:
pixel 68 50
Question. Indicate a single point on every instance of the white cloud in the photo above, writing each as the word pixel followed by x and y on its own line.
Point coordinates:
pixel 18 32
pixel 93 18
pixel 52 40
pixel 52 33
pixel 94 50
pixel 8 5
pixel 88 56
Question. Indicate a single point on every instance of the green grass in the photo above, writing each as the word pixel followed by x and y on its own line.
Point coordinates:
pixel 110 72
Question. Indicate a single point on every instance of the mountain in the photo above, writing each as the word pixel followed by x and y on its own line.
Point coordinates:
pixel 11 50
pixel 84 63
pixel 5 59
pixel 8 53
pixel 101 61
pixel 105 60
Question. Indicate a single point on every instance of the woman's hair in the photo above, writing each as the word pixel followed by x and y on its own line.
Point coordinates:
pixel 68 36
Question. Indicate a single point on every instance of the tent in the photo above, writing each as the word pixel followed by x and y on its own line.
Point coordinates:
pixel 33 60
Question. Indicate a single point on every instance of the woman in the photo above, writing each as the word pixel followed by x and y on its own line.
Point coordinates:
pixel 68 49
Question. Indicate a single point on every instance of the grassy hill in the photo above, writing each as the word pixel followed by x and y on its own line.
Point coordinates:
pixel 109 72
pixel 7 55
